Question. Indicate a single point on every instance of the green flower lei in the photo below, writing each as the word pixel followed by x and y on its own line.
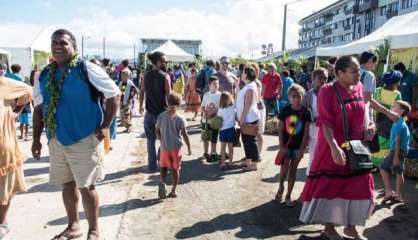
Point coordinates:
pixel 54 89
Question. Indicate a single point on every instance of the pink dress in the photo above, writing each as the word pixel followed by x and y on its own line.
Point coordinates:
pixel 331 194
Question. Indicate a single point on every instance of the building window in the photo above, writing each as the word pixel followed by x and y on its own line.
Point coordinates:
pixel 383 11
pixel 393 7
pixel 408 3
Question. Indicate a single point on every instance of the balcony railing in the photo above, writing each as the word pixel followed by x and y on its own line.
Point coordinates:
pixel 368 4
pixel 347 27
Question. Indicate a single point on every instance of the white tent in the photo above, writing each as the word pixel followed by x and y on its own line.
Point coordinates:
pixel 401 32
pixel 4 56
pixel 174 53
pixel 27 45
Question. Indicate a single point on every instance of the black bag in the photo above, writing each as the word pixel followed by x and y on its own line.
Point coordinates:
pixel 358 155
pixel 373 145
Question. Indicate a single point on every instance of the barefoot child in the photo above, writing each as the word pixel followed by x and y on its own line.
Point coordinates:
pixel 227 132
pixel 169 126
pixel 399 147
pixel 210 105
pixel 294 120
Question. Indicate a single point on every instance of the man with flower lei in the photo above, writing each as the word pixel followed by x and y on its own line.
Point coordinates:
pixel 75 125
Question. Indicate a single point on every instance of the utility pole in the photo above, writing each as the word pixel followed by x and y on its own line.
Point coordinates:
pixel 82 46
pixel 284 28
pixel 104 47
pixel 134 54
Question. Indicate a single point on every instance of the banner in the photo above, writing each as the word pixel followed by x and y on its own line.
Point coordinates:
pixel 408 56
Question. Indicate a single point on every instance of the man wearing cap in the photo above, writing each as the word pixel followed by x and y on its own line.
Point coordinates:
pixel 226 78
pixel 368 61
pixel 272 87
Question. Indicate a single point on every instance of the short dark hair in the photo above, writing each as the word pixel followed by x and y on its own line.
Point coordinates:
pixel 210 63
pixel 343 63
pixel 106 62
pixel 16 68
pixel 332 60
pixel 251 74
pixel 405 106
pixel 173 99
pixel 366 56
pixel 155 57
pixel 212 79
pixel 62 31
pixel 286 73
pixel 400 67
pixel 125 62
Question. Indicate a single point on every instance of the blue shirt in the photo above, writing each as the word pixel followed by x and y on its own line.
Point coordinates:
pixel 15 76
pixel 77 115
pixel 400 129
pixel 288 81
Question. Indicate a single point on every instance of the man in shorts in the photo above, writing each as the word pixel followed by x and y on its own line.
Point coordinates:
pixel 66 100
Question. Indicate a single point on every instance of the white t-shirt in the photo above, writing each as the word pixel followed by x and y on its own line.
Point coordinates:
pixel 369 80
pixel 228 116
pixel 97 76
pixel 314 111
pixel 211 99
pixel 253 114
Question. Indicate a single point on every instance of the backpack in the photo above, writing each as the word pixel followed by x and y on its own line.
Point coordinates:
pixel 201 80
pixel 96 95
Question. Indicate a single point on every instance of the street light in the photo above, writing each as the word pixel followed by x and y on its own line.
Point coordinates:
pixel 284 23
pixel 83 38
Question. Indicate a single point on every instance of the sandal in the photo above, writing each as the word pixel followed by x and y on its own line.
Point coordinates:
pixel 93 236
pixel 397 199
pixel 387 199
pixel 65 235
pixel 278 197
pixel 172 195
pixel 289 203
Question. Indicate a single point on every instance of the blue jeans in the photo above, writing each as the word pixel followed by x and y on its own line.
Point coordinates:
pixel 271 106
pixel 149 127
pixel 112 129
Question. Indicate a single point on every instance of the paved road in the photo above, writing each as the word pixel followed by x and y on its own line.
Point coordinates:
pixel 211 204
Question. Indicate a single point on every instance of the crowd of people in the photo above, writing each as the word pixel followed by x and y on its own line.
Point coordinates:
pixel 76 102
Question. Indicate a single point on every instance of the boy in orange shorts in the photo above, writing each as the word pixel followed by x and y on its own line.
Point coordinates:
pixel 168 129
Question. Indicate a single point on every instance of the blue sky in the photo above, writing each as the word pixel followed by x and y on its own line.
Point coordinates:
pixel 226 27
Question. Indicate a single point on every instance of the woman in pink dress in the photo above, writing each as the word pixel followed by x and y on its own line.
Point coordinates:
pixel 332 195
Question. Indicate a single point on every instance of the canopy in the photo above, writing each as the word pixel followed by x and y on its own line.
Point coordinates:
pixel 28 45
pixel 174 53
pixel 401 32
pixel 5 53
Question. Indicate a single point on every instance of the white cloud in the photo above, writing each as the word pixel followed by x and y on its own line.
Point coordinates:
pixel 240 26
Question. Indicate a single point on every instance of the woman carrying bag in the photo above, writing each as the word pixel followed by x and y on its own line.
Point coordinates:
pixel 248 116
pixel 333 195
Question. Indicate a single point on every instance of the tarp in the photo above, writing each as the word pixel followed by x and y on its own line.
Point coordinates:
pixel 174 53
pixel 401 32
pixel 25 43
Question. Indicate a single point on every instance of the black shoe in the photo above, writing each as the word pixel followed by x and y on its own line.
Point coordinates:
pixel 205 156
pixel 212 158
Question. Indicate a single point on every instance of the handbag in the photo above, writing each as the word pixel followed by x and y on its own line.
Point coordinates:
pixel 358 155
pixel 249 129
pixel 280 155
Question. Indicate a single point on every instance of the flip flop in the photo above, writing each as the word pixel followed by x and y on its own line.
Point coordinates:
pixel 278 198
pixel 65 236
pixel 289 203
pixel 172 195
pixel 397 199
pixel 388 199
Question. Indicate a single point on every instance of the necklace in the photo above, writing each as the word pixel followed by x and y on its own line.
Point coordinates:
pixel 53 87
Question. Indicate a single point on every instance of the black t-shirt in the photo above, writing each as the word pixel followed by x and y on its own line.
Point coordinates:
pixel 294 125
pixel 155 93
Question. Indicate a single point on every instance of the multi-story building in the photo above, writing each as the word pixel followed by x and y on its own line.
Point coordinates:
pixel 371 14
pixel 346 20
pixel 332 25
pixel 193 47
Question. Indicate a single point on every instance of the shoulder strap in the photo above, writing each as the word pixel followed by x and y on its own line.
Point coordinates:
pixel 342 105
pixel 96 95
pixel 363 75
